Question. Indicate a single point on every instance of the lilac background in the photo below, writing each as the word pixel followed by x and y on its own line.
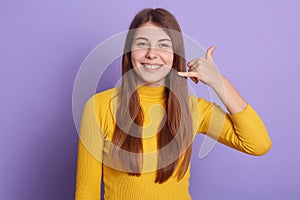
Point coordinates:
pixel 43 43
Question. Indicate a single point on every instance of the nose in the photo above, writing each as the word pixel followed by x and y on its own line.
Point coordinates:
pixel 151 53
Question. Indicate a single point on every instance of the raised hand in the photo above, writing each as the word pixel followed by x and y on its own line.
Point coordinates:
pixel 203 69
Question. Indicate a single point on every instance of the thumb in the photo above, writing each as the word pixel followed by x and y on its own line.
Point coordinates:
pixel 209 53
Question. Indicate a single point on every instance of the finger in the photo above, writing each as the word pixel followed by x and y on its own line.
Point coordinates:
pixel 188 74
pixel 209 53
pixel 192 68
pixel 195 67
pixel 195 60
pixel 194 79
pixel 196 64
pixel 192 75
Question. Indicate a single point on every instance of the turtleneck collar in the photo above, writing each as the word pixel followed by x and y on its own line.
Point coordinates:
pixel 152 93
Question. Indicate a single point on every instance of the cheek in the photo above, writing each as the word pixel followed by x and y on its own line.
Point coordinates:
pixel 168 58
pixel 136 55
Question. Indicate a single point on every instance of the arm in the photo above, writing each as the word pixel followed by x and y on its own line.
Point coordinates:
pixel 89 165
pixel 243 129
pixel 230 97
pixel 88 176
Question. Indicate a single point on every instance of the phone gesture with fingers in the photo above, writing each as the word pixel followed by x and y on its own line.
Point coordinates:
pixel 203 69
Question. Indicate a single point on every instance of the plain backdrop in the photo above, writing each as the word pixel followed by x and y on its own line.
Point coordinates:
pixel 43 43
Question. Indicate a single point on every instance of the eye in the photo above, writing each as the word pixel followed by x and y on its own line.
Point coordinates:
pixel 142 44
pixel 164 45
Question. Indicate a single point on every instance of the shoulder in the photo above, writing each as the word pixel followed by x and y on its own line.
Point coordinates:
pixel 200 107
pixel 106 95
pixel 199 103
pixel 102 106
pixel 102 98
pixel 101 102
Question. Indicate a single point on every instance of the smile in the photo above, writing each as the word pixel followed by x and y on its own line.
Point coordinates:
pixel 151 66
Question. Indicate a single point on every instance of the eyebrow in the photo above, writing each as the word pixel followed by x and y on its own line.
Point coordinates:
pixel 160 40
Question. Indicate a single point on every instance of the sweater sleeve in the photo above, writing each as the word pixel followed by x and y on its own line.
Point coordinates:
pixel 89 165
pixel 244 131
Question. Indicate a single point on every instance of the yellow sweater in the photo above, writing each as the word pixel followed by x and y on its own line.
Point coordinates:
pixel 243 131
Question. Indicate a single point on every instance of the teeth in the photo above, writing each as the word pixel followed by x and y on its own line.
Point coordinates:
pixel 152 66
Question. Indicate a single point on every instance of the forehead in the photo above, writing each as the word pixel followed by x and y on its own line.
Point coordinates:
pixel 151 31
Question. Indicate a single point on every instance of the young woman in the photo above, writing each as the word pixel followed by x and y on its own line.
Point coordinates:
pixel 138 137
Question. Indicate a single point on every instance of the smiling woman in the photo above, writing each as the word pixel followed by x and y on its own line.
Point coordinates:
pixel 139 136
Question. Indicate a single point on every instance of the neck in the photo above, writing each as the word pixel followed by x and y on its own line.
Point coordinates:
pixel 151 84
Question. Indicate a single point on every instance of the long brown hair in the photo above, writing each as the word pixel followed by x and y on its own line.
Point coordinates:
pixel 177 132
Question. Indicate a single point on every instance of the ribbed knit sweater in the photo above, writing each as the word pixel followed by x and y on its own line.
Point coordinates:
pixel 243 131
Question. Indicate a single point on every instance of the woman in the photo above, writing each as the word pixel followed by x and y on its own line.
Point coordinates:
pixel 139 136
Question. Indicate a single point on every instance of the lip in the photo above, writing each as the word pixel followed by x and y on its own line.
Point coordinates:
pixel 151 64
pixel 151 70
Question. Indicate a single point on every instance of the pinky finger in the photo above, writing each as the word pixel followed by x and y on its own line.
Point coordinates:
pixel 188 74
pixel 192 75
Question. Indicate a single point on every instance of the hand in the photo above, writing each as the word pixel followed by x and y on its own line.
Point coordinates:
pixel 203 69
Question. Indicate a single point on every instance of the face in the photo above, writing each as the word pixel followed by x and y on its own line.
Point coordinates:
pixel 151 55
